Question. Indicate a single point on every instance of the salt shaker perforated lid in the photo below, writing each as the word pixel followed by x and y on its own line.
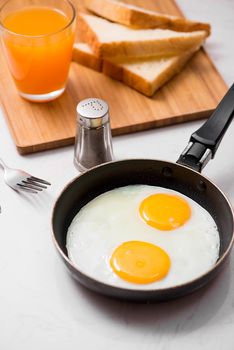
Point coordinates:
pixel 93 144
pixel 93 112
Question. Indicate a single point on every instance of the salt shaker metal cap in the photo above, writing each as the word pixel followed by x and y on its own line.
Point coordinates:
pixel 93 144
pixel 93 112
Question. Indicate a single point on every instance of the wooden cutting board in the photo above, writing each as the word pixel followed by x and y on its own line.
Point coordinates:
pixel 193 94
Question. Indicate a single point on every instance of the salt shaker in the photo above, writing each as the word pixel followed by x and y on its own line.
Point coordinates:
pixel 93 144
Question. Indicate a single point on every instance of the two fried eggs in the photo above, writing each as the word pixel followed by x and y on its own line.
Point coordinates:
pixel 143 237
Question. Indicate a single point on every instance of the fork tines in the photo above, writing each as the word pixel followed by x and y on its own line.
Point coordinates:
pixel 33 184
pixel 36 179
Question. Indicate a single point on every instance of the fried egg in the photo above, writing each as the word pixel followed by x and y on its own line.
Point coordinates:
pixel 143 237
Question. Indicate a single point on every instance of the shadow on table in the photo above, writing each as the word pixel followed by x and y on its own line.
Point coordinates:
pixel 182 315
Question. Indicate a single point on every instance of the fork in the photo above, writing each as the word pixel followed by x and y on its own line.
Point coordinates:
pixel 19 180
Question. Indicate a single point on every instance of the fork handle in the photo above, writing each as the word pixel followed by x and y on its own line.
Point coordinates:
pixel 2 164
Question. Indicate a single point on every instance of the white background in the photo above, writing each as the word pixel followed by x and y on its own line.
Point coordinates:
pixel 42 307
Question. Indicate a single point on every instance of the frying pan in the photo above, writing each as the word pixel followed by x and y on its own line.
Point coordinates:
pixel 183 176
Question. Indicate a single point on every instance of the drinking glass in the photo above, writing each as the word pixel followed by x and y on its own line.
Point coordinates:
pixel 37 38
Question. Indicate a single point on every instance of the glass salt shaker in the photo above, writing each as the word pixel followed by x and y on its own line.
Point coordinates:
pixel 93 144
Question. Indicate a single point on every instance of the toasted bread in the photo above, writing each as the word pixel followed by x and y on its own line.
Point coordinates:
pixel 109 39
pixel 83 54
pixel 144 75
pixel 132 15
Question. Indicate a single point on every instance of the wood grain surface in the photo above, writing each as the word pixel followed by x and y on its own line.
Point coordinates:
pixel 192 94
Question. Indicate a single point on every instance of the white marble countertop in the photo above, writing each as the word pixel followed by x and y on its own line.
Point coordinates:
pixel 41 307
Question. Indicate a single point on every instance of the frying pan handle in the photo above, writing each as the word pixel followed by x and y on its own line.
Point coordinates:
pixel 204 143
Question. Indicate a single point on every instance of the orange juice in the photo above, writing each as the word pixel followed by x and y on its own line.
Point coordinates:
pixel 38 45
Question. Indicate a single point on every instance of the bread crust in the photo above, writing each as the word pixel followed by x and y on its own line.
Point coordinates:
pixel 86 59
pixel 137 17
pixel 86 34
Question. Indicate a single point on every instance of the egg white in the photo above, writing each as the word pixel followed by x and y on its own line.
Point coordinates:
pixel 113 218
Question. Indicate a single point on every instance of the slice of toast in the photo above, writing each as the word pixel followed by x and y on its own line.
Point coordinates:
pixel 84 55
pixel 109 39
pixel 144 75
pixel 132 15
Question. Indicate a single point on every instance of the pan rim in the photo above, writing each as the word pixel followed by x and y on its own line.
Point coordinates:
pixel 132 290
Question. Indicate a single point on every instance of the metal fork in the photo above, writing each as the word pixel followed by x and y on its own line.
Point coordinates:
pixel 19 180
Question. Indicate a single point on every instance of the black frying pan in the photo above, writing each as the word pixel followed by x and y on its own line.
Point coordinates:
pixel 183 177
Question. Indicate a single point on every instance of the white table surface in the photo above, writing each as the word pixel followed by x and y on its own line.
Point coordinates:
pixel 42 307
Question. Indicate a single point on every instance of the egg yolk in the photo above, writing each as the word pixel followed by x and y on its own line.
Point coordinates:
pixel 140 262
pixel 164 211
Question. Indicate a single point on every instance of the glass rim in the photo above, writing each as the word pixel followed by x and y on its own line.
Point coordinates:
pixel 2 27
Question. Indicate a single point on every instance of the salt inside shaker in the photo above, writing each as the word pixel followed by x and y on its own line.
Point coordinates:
pixel 93 144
